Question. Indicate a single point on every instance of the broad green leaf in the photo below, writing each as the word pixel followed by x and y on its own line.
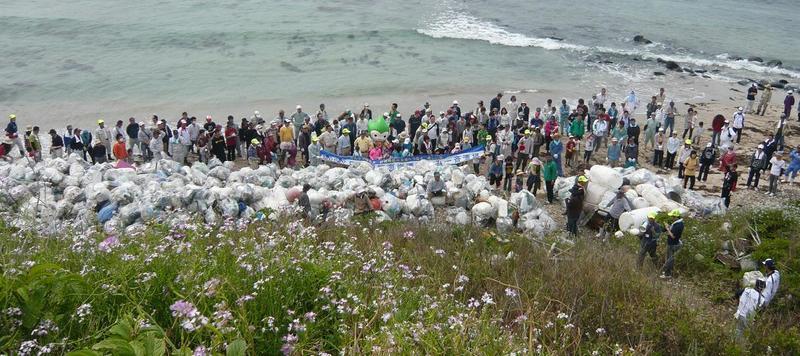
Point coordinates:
pixel 123 329
pixel 83 352
pixel 138 348
pixel 183 351
pixel 153 346
pixel 236 348
pixel 115 346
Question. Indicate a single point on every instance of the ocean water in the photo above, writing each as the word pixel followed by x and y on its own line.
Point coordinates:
pixel 150 52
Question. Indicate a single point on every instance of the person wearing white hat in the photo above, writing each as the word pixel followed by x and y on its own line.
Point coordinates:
pixel 103 134
pixel 738 123
pixel 751 98
pixel 299 118
pixel 788 102
pixel 707 159
pixel 366 113
pixel 758 162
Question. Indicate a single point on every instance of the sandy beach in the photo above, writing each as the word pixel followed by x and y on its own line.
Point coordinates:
pixel 682 88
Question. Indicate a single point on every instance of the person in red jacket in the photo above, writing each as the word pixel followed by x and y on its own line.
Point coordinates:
pixel 716 128
pixel 230 141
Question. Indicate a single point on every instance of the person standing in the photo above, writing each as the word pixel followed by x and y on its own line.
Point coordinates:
pixel 343 147
pixel 634 130
pixel 729 183
pixel 778 165
pixel 299 118
pixel 707 159
pixel 556 149
pixel 669 117
pixel 218 143
pixel 648 240
pixel 13 134
pixel 614 152
pixel 56 144
pixel 673 144
pixel 716 128
pixel 674 234
pixel 184 143
pixel 86 138
pixel 133 134
pixel 658 152
pixel 772 281
pixel 688 123
pixel 766 96
pixel 496 172
pixel 99 152
pixel 574 204
pixel 550 173
pixel 494 104
pixel 727 159
pixel 119 149
pixel 683 156
pixel 650 131
pixel 194 132
pixel 145 135
pixel 156 146
pixel 788 102
pixel 757 163
pixel 793 167
pixel 103 134
pixel 534 179
pixel 750 300
pixel 36 144
pixel 600 130
pixel 738 123
pixel 751 97
pixel 690 170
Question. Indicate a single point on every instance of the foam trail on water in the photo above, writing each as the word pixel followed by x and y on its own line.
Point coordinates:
pixel 459 25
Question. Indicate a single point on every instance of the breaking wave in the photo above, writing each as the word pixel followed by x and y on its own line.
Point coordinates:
pixel 458 25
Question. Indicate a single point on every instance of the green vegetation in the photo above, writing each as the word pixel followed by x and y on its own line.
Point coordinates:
pixel 393 287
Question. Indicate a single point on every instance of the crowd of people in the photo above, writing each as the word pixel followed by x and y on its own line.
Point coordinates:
pixel 522 147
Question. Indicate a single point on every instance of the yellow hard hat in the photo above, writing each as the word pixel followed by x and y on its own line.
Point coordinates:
pixel 345 131
pixel 12 116
pixel 583 179
pixel 424 125
pixel 675 213
pixel 688 141
pixel 651 215
pixel 315 138
pixel 527 132
pixel 466 138
pixel 100 121
pixel 255 141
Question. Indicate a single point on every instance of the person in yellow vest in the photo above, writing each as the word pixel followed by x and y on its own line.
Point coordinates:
pixel 363 144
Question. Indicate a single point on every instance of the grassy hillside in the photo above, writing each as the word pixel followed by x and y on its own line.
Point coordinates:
pixel 357 287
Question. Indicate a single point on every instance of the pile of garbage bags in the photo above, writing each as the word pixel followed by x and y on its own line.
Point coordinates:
pixel 58 195
pixel 646 192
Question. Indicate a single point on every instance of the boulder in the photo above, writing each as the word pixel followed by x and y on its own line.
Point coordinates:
pixel 672 65
pixel 640 39
pixel 775 63
pixel 755 59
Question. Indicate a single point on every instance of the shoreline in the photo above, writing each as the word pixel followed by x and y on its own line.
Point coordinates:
pixel 679 87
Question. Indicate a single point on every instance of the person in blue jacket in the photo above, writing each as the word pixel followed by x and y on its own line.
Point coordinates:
pixel 556 149
pixel 794 165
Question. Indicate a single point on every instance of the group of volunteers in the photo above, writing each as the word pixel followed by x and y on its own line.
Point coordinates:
pixel 521 147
